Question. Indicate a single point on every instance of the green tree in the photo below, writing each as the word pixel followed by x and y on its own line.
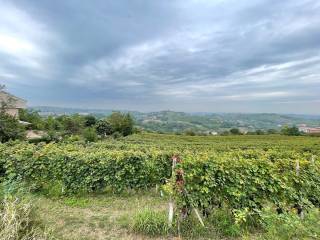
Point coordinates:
pixel 10 128
pixel 272 131
pixel 235 131
pixel 90 120
pixel 72 124
pixel 104 128
pixel 290 131
pixel 122 123
pixel 260 132
pixel 32 117
pixel 189 132
pixel 52 124
pixel 90 134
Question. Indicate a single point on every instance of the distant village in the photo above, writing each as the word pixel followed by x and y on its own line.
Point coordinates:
pixel 308 130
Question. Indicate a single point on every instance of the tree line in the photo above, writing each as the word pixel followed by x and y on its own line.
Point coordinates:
pixel 56 128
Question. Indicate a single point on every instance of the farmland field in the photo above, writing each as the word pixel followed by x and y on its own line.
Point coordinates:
pixel 120 189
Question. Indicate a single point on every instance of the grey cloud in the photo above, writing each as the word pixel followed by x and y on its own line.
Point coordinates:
pixel 152 55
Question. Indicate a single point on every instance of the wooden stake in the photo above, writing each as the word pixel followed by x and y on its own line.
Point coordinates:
pixel 301 213
pixel 170 217
pixel 297 167
pixel 312 159
pixel 198 216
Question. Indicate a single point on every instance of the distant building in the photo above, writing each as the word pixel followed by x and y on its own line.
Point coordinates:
pixel 211 133
pixel 310 130
pixel 11 104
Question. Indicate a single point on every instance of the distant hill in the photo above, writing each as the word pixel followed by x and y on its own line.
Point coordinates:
pixel 170 121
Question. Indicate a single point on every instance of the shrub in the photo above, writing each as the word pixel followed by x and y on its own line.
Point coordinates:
pixel 121 122
pixel 290 131
pixel 235 131
pixel 150 222
pixel 10 129
pixel 104 128
pixel 32 117
pixel 189 133
pixel 90 135
pixel 90 121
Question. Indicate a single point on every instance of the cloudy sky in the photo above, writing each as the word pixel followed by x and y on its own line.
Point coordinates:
pixel 149 55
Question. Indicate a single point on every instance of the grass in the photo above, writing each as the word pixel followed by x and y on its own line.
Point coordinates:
pixel 17 221
pixel 140 215
pixel 97 216
pixel 151 222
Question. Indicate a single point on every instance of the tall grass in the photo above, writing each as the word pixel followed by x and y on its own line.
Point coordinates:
pixel 151 222
pixel 17 221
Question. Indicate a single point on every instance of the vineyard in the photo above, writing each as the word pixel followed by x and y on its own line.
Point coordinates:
pixel 244 174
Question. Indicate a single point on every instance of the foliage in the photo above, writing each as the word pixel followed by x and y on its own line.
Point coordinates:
pixel 104 128
pixel 288 225
pixel 72 124
pixel 189 133
pixel 290 131
pixel 223 221
pixel 121 122
pixel 83 169
pixel 32 117
pixel 10 128
pixel 90 134
pixel 235 131
pixel 90 120
pixel 52 124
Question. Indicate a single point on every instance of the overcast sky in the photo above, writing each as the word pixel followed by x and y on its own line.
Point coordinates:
pixel 150 55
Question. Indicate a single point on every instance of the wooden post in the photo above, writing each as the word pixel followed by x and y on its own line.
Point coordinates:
pixel 170 217
pixel 299 208
pixel 198 216
pixel 312 159
pixel 297 167
pixel 170 214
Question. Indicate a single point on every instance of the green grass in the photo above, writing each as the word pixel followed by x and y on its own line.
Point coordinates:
pixel 151 222
pixel 143 215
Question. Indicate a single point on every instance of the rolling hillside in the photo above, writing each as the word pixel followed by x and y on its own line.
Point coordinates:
pixel 170 121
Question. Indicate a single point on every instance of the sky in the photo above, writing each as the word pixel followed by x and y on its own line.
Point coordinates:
pixel 152 55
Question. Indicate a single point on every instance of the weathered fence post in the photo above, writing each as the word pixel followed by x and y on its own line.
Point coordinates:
pixel 297 167
pixel 299 207
pixel 171 206
pixel 313 159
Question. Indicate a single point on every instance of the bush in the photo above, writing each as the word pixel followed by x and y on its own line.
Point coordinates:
pixel 90 135
pixel 104 128
pixel 235 131
pixel 121 122
pixel 150 222
pixel 290 131
pixel 10 128
pixel 32 117
pixel 90 121
pixel 189 133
